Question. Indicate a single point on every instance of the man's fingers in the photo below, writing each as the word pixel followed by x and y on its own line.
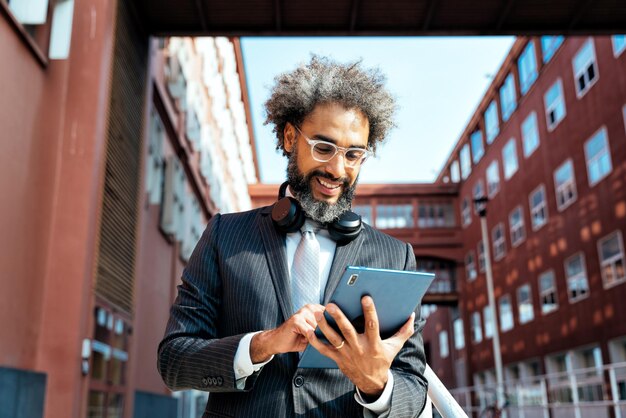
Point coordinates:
pixel 322 347
pixel 372 331
pixel 331 335
pixel 346 328
pixel 405 332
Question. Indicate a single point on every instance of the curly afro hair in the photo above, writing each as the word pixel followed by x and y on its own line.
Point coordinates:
pixel 323 80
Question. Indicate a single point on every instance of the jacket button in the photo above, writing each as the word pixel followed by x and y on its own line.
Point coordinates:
pixel 298 381
pixel 205 382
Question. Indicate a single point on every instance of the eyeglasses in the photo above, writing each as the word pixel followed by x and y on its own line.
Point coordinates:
pixel 324 151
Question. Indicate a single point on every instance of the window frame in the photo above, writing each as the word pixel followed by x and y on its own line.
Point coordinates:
pixel 480 256
pixel 459 333
pixel 470 266
pixel 606 152
pixel 552 291
pixel 524 319
pixel 488 321
pixel 533 209
pixel 593 61
pixel 493 174
pixel 508 97
pixel 498 243
pixel 618 52
pixel 476 327
pixel 444 344
pixel 507 167
pixel 576 277
pixel 466 212
pixel 548 50
pixel 517 227
pixel 466 161
pixel 492 127
pixel 477 145
pixel 527 136
pixel 611 260
pixel 561 206
pixel 549 107
pixel 508 315
pixel 527 61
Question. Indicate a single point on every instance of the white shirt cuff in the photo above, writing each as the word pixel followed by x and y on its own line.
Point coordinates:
pixel 382 404
pixel 243 363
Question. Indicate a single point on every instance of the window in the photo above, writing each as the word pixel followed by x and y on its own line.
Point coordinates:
pixel 555 105
pixel 459 336
pixel 477 330
pixel 575 272
pixel 508 99
pixel 527 66
pixel 509 158
pixel 611 249
pixel 619 43
pixel 480 248
pixel 173 204
pixel 470 266
pixel 525 304
pixel 365 211
pixel 154 163
pixel 530 134
pixel 549 45
pixel 499 242
pixel 478 149
pixel 538 208
pixel 598 157
pixel 547 292
pixel 193 227
pixel 394 216
pixel 109 363
pixel 565 185
pixel 585 68
pixel 466 164
pixel 435 215
pixel 444 348
pixel 479 191
pixel 506 313
pixel 488 317
pixel 466 212
pixel 492 125
pixel 516 223
pixel 454 171
pixel 493 179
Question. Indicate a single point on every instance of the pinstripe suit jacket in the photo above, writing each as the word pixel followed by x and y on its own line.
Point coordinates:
pixel 237 282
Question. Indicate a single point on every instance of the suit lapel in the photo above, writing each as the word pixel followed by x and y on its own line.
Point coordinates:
pixel 275 253
pixel 345 255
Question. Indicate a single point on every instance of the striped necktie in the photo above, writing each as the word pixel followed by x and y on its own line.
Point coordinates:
pixel 305 272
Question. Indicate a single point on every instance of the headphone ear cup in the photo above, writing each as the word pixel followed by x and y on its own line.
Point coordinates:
pixel 346 228
pixel 287 215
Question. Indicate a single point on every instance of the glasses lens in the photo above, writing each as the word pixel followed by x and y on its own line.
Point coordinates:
pixel 324 151
pixel 354 156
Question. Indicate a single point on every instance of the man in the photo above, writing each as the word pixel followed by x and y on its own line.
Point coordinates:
pixel 238 323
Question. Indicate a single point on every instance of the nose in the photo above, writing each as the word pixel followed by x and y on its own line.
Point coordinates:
pixel 337 165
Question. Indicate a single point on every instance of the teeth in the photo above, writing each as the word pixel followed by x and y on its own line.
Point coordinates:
pixel 329 185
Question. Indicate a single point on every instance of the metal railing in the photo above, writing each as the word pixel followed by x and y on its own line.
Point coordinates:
pixel 596 392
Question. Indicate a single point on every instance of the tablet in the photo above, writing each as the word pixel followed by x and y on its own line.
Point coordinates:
pixel 396 294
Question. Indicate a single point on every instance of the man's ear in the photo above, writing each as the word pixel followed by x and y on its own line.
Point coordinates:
pixel 290 136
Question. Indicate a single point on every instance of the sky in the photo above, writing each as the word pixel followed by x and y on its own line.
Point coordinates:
pixel 437 81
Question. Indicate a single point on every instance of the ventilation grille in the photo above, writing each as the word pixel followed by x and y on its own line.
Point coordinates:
pixel 118 225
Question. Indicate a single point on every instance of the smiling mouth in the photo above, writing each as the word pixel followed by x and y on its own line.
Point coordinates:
pixel 328 185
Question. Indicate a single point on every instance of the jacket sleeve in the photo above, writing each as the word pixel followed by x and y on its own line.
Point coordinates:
pixel 191 356
pixel 410 386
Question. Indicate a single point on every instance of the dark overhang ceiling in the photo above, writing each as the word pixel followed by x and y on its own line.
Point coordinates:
pixel 378 17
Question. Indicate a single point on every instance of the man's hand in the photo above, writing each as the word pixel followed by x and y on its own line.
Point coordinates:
pixel 290 336
pixel 364 358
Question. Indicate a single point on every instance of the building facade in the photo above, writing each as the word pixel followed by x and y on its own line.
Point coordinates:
pixel 116 150
pixel 547 146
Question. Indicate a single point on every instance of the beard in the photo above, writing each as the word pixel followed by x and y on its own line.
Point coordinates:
pixel 317 210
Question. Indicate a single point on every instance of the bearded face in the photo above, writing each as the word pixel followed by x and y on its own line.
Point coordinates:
pixel 320 211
